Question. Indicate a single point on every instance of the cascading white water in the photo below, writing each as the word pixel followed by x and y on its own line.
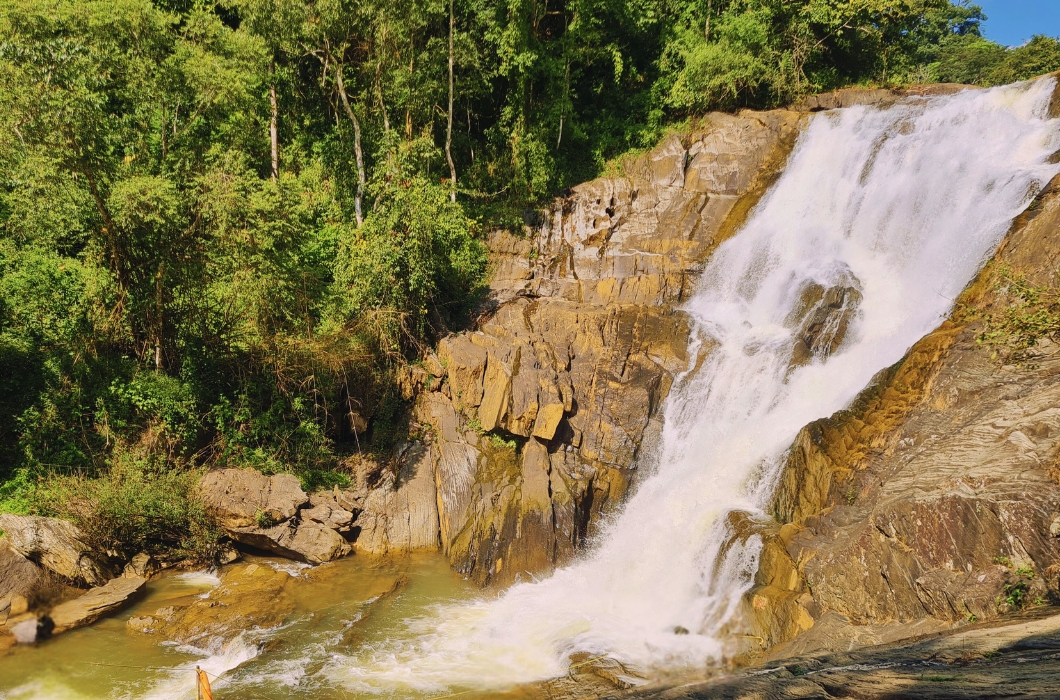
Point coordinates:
pixel 907 201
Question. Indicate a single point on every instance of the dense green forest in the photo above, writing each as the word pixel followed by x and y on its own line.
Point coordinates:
pixel 226 227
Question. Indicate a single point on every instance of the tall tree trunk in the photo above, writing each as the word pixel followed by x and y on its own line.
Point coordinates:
pixel 449 124
pixel 274 132
pixel 706 23
pixel 356 143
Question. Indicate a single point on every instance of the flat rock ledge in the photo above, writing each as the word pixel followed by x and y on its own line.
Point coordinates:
pixel 96 603
pixel 1018 657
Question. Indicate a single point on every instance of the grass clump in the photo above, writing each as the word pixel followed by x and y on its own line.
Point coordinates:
pixel 1029 315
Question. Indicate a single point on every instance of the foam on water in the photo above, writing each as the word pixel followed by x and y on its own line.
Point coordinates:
pixel 905 203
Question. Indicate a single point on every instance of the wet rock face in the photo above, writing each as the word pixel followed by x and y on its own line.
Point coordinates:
pixel 934 496
pixel 57 545
pixel 821 319
pixel 249 596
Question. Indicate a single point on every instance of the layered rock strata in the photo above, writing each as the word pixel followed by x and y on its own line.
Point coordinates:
pixel 933 496
pixel 534 420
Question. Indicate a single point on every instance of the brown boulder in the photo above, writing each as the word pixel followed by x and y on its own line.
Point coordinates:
pixel 241 498
pixel 57 545
pixel 308 541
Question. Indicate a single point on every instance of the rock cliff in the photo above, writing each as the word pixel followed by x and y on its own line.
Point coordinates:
pixel 534 419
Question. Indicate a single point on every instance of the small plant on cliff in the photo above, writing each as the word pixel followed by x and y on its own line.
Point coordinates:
pixel 1031 315
pixel 264 519
pixel 1014 595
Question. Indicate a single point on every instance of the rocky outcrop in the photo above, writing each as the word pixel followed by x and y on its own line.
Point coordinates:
pixel 241 498
pixel 535 419
pixel 57 545
pixel 934 495
pixel 18 575
pixel 266 512
pixel 400 511
pixel 96 603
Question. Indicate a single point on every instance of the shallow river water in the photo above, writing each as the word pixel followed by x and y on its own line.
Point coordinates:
pixel 344 611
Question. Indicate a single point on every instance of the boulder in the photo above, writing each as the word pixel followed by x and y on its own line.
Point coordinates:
pixel 96 603
pixel 308 541
pixel 822 319
pixel 142 565
pixel 57 545
pixel 18 575
pixel 243 498
pixel 325 509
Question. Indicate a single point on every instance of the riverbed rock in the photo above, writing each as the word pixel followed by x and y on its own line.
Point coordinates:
pixel 249 597
pixel 98 602
pixel 57 545
pixel 241 498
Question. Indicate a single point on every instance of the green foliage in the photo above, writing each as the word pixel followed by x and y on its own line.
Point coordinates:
pixel 139 504
pixel 414 263
pixel 1030 313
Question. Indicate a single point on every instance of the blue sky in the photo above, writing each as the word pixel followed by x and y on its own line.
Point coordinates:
pixel 1012 22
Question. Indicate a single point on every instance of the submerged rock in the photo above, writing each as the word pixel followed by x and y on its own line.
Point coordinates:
pixel 249 596
pixel 96 603
pixel 57 545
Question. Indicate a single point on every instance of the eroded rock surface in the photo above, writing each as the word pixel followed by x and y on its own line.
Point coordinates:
pixel 250 596
pixel 57 545
pixel 1017 658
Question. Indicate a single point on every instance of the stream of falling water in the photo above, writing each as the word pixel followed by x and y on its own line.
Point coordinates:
pixel 905 203
pixel 902 204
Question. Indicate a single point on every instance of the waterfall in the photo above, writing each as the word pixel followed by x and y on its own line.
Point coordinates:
pixel 881 218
